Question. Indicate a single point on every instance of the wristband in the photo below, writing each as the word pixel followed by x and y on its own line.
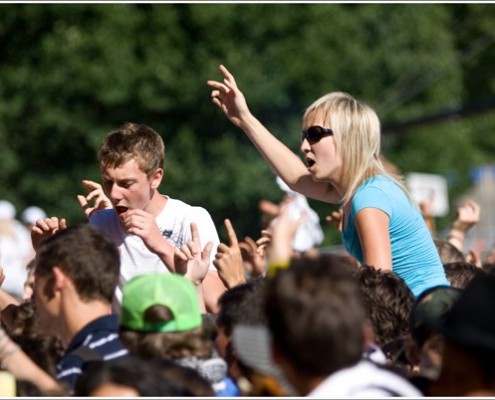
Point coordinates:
pixel 273 267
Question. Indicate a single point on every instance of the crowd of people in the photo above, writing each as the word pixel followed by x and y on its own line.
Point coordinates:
pixel 144 299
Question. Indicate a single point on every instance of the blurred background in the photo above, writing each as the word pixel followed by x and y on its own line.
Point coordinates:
pixel 70 73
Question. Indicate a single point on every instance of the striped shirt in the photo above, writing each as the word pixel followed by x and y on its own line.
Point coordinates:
pixel 100 337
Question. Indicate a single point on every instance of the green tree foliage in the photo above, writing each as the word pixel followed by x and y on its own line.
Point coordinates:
pixel 69 73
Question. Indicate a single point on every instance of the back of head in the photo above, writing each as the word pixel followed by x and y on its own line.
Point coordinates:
pixel 133 141
pixel 160 317
pixel 242 304
pixel 459 274
pixel 470 324
pixel 144 378
pixel 430 310
pixel 448 252
pixel 387 301
pixel 87 256
pixel 356 129
pixel 315 316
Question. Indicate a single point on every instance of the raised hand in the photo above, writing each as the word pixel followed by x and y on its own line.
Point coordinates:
pixel 468 215
pixel 284 229
pixel 228 259
pixel 44 228
pixel 190 260
pixel 229 98
pixel 96 196
pixel 253 257
pixel 335 218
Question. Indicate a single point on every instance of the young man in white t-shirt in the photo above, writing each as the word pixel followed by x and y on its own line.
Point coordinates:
pixel 153 232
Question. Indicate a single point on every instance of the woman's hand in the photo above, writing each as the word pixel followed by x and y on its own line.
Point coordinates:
pixel 229 98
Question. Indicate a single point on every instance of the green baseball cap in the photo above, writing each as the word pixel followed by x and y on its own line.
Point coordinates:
pixel 170 290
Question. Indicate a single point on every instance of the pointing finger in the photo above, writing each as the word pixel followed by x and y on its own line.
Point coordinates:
pixel 231 233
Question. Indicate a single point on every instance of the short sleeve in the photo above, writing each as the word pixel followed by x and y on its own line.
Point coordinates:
pixel 372 197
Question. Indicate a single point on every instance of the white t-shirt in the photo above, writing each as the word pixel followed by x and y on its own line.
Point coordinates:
pixel 173 222
pixel 364 380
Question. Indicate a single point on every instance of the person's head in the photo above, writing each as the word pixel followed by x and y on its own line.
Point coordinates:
pixel 448 252
pixel 32 214
pixel 160 318
pixel 469 332
pixel 351 152
pixel 131 163
pixel 77 264
pixel 425 344
pixel 459 274
pixel 131 377
pixel 388 302
pixel 241 304
pixel 315 318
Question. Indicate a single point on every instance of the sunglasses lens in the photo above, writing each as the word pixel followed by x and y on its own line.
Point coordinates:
pixel 315 133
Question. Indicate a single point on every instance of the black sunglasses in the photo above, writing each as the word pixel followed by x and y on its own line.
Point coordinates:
pixel 315 133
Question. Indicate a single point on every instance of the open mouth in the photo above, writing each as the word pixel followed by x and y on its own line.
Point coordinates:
pixel 121 209
pixel 310 162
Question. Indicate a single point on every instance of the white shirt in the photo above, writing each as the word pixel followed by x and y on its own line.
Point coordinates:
pixel 173 222
pixel 364 380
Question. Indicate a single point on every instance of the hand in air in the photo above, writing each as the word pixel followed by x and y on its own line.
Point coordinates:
pixel 227 96
pixel 44 228
pixel 96 197
pixel 228 259
pixel 190 260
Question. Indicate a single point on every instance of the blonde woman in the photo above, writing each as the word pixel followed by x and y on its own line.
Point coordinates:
pixel 341 146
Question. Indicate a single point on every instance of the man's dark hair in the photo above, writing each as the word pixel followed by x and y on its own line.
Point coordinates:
pixel 459 274
pixel 387 301
pixel 88 257
pixel 241 304
pixel 315 315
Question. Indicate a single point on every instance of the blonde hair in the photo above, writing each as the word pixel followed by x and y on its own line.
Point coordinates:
pixel 356 131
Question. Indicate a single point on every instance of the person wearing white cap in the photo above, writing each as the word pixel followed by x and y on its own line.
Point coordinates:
pixel 32 214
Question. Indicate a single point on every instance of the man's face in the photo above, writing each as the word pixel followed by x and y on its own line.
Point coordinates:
pixel 128 187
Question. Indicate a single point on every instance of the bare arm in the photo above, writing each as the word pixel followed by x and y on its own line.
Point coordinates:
pixel 372 226
pixel 282 160
pixel 14 360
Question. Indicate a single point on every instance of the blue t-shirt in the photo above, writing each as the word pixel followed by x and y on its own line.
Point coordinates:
pixel 414 255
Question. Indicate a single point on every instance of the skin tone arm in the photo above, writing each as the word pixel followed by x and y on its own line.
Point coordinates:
pixel 372 227
pixel 14 360
pixel 283 161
